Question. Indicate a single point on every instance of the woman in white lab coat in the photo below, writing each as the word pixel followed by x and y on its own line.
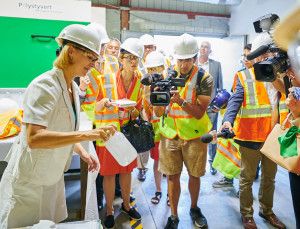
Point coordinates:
pixel 32 186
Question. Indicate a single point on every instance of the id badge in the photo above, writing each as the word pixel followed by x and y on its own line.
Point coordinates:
pixel 121 114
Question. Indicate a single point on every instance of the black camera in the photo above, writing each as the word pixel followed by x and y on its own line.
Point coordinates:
pixel 269 69
pixel 162 96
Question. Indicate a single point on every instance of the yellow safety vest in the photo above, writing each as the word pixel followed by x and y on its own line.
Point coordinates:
pixel 10 123
pixel 109 90
pixel 180 123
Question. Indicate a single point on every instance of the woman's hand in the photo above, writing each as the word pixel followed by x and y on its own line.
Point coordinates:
pixel 103 133
pixel 290 73
pixel 133 111
pixel 92 162
pixel 100 105
pixel 84 82
pixel 293 104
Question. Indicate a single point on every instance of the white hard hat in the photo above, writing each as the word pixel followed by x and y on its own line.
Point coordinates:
pixel 101 31
pixel 7 104
pixel 81 35
pixel 147 39
pixel 134 46
pixel 154 59
pixel 186 47
pixel 261 39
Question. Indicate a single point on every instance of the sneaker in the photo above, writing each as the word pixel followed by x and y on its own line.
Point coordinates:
pixel 198 217
pixel 172 223
pixel 133 214
pixel 223 182
pixel 109 222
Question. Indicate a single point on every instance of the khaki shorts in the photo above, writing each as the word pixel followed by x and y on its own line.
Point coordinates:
pixel 172 152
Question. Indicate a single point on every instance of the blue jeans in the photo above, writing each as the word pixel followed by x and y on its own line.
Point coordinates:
pixel 212 148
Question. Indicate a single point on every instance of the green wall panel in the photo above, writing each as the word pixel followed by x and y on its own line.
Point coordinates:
pixel 23 58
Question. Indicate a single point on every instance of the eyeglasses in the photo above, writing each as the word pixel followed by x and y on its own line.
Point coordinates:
pixel 87 54
pixel 131 57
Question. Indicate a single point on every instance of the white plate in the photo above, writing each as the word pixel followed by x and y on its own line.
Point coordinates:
pixel 123 103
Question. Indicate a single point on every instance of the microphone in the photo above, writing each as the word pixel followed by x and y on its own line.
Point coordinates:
pixel 213 135
pixel 147 79
pixel 258 52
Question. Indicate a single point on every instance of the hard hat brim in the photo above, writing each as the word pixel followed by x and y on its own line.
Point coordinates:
pixel 182 57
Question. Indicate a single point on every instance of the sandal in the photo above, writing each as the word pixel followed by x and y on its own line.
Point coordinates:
pixel 156 198
pixel 168 200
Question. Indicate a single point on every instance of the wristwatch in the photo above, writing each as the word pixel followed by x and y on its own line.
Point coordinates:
pixel 183 103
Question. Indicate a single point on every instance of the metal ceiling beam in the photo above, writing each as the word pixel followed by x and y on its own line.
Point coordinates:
pixel 189 13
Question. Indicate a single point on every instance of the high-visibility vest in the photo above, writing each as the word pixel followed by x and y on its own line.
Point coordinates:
pixel 180 123
pixel 141 67
pixel 228 158
pixel 254 117
pixel 109 90
pixel 110 65
pixel 10 123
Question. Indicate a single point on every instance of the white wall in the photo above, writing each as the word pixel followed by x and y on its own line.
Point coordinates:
pixel 242 16
pixel 99 15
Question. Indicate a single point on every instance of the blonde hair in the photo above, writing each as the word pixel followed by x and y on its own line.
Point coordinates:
pixel 63 60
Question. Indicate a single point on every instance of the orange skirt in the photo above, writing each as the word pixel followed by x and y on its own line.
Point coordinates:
pixel 109 165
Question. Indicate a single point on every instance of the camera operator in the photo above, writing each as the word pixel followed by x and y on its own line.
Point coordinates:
pixel 287 36
pixel 255 107
pixel 182 128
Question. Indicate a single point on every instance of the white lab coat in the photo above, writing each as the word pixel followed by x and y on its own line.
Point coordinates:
pixel 32 186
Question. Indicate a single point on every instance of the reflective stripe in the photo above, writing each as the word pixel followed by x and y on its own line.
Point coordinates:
pixel 112 63
pixel 107 82
pixel 106 116
pixel 142 68
pixel 16 122
pixel 90 99
pixel 282 106
pixel 250 86
pixel 256 111
pixel 93 82
pixel 229 154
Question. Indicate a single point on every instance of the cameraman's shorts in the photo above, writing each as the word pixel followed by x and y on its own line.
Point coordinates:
pixel 174 152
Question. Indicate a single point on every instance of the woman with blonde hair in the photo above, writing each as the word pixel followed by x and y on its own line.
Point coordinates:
pixel 125 84
pixel 32 186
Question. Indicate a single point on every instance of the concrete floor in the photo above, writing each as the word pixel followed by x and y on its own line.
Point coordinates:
pixel 220 206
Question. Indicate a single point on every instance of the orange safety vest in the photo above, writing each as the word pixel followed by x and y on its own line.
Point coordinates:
pixel 180 123
pixel 10 123
pixel 254 117
pixel 108 89
pixel 110 65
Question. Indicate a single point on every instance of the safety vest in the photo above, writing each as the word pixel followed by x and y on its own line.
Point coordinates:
pixel 254 117
pixel 10 123
pixel 110 65
pixel 228 158
pixel 180 123
pixel 141 67
pixel 108 89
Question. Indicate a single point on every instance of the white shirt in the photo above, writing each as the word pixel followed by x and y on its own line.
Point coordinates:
pixel 205 66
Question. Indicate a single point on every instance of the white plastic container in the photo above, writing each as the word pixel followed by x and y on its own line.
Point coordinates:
pixel 121 149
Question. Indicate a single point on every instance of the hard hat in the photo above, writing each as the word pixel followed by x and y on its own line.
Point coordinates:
pixel 101 31
pixel 147 39
pixel 261 39
pixel 154 59
pixel 134 46
pixel 81 35
pixel 186 47
pixel 221 99
pixel 7 104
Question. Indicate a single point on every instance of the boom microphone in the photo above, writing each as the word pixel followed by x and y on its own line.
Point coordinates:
pixel 258 52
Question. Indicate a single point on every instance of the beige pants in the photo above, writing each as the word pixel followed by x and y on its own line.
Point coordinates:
pixel 250 160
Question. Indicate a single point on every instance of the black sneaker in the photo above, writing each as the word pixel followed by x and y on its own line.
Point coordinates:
pixel 133 214
pixel 223 182
pixel 172 223
pixel 109 222
pixel 198 218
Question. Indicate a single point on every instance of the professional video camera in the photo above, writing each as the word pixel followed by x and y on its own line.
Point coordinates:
pixel 270 69
pixel 162 96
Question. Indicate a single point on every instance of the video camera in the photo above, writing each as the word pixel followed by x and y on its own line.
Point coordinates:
pixel 162 96
pixel 270 69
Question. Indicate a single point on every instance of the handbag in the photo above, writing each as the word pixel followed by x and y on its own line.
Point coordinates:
pixel 140 134
pixel 282 154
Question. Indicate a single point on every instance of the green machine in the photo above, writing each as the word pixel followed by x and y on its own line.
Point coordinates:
pixel 28 49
